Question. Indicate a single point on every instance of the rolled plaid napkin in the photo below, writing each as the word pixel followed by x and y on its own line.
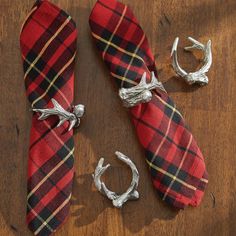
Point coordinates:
pixel 48 45
pixel 175 161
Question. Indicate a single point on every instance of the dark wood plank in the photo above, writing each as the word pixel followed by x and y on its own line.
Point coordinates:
pixel 210 112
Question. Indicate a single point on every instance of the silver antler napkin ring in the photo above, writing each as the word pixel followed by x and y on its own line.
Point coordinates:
pixel 63 115
pixel 130 194
pixel 200 75
pixel 140 93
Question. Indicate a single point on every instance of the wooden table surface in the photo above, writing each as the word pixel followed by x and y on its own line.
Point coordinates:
pixel 210 111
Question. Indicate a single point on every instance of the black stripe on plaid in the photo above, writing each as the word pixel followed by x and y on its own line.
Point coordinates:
pixel 59 83
pixel 46 212
pixel 43 170
pixel 54 125
pixel 55 177
pixel 119 14
pixel 50 51
pixel 171 169
pixel 50 32
pixel 163 135
pixel 57 157
pixel 44 38
pixel 125 58
pixel 120 42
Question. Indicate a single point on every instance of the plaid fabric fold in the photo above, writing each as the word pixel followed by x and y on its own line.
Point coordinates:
pixel 175 161
pixel 48 45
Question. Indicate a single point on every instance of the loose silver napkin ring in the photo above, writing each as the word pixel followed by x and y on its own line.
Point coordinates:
pixel 200 75
pixel 140 93
pixel 130 194
pixel 63 115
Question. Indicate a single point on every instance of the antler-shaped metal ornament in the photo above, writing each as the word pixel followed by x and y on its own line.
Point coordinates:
pixel 73 117
pixel 200 75
pixel 140 93
pixel 130 194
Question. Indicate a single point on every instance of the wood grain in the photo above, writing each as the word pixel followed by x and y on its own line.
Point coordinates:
pixel 210 112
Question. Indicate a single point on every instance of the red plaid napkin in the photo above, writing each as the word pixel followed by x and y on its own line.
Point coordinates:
pixel 48 45
pixel 176 163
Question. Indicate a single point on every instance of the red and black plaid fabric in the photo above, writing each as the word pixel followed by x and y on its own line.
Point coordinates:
pixel 176 164
pixel 48 45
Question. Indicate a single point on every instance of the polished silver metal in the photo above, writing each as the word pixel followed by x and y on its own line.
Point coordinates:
pixel 63 115
pixel 130 194
pixel 140 93
pixel 200 75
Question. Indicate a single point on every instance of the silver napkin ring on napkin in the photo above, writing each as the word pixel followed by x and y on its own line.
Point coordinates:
pixel 63 115
pixel 200 75
pixel 130 194
pixel 140 93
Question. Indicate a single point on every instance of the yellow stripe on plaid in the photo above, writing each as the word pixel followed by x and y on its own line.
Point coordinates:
pixel 170 175
pixel 40 218
pixel 180 166
pixel 164 138
pixel 132 59
pixel 49 81
pixel 123 78
pixel 168 105
pixel 50 173
pixel 27 17
pixel 112 36
pixel 46 46
pixel 117 47
pixel 62 143
pixel 53 215
pixel 204 180
pixel 55 78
